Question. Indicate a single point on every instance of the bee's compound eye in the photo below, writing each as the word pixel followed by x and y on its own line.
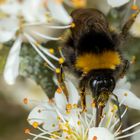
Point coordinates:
pixel 102 84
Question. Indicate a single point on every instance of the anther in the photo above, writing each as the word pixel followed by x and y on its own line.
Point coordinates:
pixel 68 106
pixel 25 100
pixel 79 123
pixel 134 7
pixel 74 105
pixel 35 124
pixel 125 94
pixel 115 107
pixel 72 25
pixel 94 138
pixel 61 60
pixel 93 104
pixel 59 90
pixel 57 70
pixel 27 131
pixel 51 51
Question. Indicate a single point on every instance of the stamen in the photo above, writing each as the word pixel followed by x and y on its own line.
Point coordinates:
pixel 89 125
pixel 128 135
pixel 46 37
pixel 27 131
pixel 35 124
pixel 49 133
pixel 33 43
pixel 94 138
pixel 59 114
pixel 102 119
pixel 61 60
pixel 59 90
pixel 123 99
pixel 73 25
pixel 68 108
pixel 46 51
pixel 51 51
pixel 134 6
pixel 118 130
pixel 27 101
pixel 61 54
pixel 129 128
pixel 39 136
pixel 113 111
pixel 57 70
pixel 49 26
pixel 86 120
pixel 112 127
pixel 60 27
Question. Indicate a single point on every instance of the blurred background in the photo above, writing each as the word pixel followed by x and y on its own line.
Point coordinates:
pixel 35 80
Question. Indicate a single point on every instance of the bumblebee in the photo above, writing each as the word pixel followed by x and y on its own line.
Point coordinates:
pixel 93 56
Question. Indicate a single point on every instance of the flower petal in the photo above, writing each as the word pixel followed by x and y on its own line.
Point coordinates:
pixel 135 29
pixel 44 116
pixel 123 84
pixel 51 123
pixel 37 115
pixel 89 101
pixel 38 12
pixel 100 133
pixel 11 7
pixel 58 12
pixel 6 36
pixel 129 99
pixel 72 118
pixel 73 93
pixel 60 100
pixel 117 3
pixel 8 27
pixel 12 64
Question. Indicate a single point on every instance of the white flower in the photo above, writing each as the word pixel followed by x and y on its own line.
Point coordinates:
pixel 8 28
pixel 125 96
pixel 100 133
pixel 63 120
pixel 135 29
pixel 27 22
pixel 58 12
pixel 10 74
pixel 117 3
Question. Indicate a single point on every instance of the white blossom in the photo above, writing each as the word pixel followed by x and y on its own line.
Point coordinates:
pixel 135 29
pixel 117 3
pixel 27 20
pixel 62 119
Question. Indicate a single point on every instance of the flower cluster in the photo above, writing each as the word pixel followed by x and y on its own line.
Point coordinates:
pixel 25 21
pixel 62 119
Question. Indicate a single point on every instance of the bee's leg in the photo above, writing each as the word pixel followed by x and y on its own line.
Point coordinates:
pixel 83 100
pixel 60 78
pixel 82 94
pixel 119 111
pixel 128 24
pixel 126 65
